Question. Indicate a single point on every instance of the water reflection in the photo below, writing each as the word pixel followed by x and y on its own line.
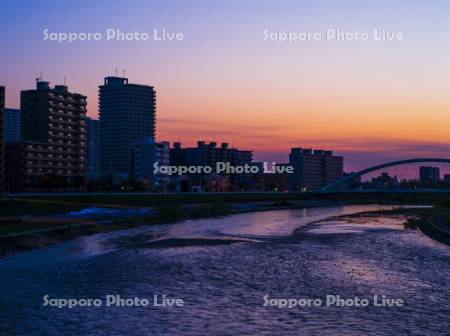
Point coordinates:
pixel 223 284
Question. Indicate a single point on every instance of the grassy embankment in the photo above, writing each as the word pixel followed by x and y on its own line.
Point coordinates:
pixel 24 213
pixel 29 224
pixel 18 216
pixel 155 200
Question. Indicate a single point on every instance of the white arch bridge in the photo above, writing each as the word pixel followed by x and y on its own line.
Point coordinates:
pixel 353 176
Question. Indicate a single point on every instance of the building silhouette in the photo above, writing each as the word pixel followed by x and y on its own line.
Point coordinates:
pixel 12 125
pixel 314 169
pixel 52 151
pixel 429 174
pixel 145 155
pixel 385 181
pixel 127 117
pixel 2 145
pixel 266 181
pixel 93 147
pixel 209 154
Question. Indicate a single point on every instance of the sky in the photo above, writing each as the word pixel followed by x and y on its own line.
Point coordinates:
pixel 371 101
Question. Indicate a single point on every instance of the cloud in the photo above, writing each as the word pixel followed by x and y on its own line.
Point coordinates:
pixel 272 143
pixel 361 153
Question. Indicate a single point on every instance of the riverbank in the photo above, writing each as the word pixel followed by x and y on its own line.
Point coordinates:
pixel 434 222
pixel 36 231
pixel 33 231
pixel 154 200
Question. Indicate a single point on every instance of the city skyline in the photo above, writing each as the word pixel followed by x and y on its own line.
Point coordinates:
pixel 226 167
pixel 369 101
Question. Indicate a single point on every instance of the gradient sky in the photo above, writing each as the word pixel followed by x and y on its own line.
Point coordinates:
pixel 371 101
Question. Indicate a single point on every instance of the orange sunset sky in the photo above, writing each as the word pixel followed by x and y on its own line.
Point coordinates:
pixel 371 101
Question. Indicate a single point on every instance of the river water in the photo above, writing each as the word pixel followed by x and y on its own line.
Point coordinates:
pixel 223 268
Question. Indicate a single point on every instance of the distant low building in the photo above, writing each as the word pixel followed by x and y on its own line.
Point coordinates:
pixel 2 145
pixel 278 181
pixel 209 154
pixel 145 155
pixel 429 175
pixel 92 147
pixel 12 125
pixel 314 169
pixel 385 181
pixel 354 183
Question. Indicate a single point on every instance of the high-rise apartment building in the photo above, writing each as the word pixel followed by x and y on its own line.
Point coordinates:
pixel 12 125
pixel 314 169
pixel 53 147
pixel 127 117
pixel 93 147
pixel 2 145
pixel 429 174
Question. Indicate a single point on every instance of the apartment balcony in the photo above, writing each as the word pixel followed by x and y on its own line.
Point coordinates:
pixel 30 165
pixel 62 121
pixel 60 98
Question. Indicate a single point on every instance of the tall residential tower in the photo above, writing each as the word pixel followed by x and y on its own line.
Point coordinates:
pixel 127 118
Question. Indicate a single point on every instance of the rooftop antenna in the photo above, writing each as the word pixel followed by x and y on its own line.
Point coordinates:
pixel 40 75
pixel 116 71
pixel 123 73
pixel 64 80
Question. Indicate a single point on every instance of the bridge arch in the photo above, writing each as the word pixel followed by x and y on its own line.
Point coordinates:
pixel 351 177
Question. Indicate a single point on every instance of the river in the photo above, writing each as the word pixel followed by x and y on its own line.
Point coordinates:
pixel 228 272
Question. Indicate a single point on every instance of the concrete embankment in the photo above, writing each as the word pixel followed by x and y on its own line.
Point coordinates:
pixel 437 227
